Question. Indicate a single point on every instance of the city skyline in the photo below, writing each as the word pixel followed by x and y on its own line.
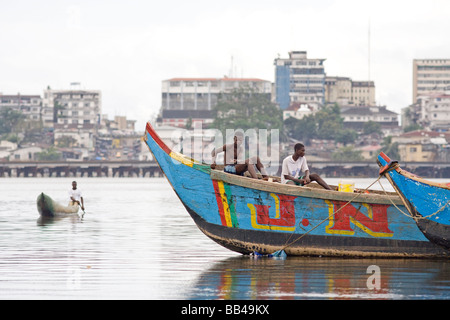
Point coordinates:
pixel 126 49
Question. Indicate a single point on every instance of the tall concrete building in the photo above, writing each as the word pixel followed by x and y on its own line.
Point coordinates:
pixel 299 79
pixel 430 76
pixel 77 114
pixel 74 106
pixel 195 98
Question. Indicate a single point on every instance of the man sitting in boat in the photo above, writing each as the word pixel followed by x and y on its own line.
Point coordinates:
pixel 233 152
pixel 75 196
pixel 294 165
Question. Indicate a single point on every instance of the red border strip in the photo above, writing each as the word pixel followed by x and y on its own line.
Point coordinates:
pixel 385 157
pixel 157 139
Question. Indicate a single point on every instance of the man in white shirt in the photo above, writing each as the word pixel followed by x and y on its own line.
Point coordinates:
pixel 294 165
pixel 76 196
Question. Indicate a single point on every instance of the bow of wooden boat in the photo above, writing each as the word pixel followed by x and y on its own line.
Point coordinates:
pixel 427 202
pixel 47 207
pixel 44 205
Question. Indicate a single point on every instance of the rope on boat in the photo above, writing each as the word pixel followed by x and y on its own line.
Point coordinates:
pixel 328 218
pixel 416 218
pixel 392 166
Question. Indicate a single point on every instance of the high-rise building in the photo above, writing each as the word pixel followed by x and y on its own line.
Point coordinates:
pixel 299 79
pixel 77 114
pixel 430 76
pixel 79 107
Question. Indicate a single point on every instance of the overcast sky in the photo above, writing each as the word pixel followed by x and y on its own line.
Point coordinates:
pixel 126 48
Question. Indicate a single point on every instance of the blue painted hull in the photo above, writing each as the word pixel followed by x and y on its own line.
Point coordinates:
pixel 249 215
pixel 427 202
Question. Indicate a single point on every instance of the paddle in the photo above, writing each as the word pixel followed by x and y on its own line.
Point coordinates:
pixel 84 212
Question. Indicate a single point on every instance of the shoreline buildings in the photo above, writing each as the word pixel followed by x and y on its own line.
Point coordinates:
pixel 70 120
pixel 301 80
pixel 430 76
pixel 430 107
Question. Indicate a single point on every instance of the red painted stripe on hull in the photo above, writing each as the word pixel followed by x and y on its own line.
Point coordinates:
pixel 219 202
pixel 157 139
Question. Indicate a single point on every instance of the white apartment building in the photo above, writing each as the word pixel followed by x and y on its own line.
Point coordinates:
pixel 195 98
pixel 74 106
pixel 77 114
pixel 430 76
pixel 299 79
pixel 433 111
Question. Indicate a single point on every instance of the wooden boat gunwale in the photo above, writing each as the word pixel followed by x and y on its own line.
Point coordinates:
pixel 412 176
pixel 312 190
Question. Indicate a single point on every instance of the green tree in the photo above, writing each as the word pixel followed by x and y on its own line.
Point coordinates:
pixel 347 153
pixel 329 122
pixel 66 142
pixel 324 124
pixel 303 129
pixel 51 154
pixel 57 111
pixel 391 149
pixel 246 109
pixel 346 136
pixel 370 127
pixel 412 127
pixel 10 120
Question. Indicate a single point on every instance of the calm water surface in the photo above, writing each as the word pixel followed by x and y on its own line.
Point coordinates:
pixel 136 241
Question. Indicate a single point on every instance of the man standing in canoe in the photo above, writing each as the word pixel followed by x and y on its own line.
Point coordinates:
pixel 294 165
pixel 233 152
pixel 76 196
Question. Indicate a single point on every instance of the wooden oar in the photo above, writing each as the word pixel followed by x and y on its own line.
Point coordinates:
pixel 84 212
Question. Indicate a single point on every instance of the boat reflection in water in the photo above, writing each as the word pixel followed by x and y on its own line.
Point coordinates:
pixel 323 278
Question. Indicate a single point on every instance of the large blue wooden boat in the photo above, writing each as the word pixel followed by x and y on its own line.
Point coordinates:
pixel 428 202
pixel 249 215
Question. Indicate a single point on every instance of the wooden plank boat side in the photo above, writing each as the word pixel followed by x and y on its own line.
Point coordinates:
pixel 247 215
pixel 311 191
pixel 428 202
pixel 48 207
